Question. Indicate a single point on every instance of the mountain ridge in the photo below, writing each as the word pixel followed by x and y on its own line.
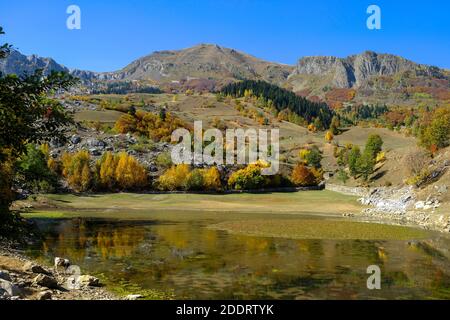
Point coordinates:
pixel 311 76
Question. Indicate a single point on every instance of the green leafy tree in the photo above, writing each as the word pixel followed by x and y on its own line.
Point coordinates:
pixel 353 158
pixel 195 180
pixel 365 165
pixel 437 133
pixel 32 168
pixel 27 115
pixel 342 176
pixel 335 124
pixel 314 157
pixel 373 145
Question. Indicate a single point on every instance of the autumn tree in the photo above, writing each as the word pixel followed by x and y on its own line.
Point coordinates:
pixel 129 173
pixel 76 170
pixel 126 123
pixel 437 133
pixel 248 178
pixel 174 178
pixel 106 171
pixel 329 136
pixel 211 179
pixel 302 176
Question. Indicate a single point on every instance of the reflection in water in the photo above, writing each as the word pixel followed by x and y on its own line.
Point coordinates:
pixel 197 262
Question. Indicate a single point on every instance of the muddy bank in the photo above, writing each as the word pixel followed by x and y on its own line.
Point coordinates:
pixel 24 279
pixel 402 205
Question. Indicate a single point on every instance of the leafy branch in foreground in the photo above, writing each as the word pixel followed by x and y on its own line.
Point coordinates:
pixel 28 114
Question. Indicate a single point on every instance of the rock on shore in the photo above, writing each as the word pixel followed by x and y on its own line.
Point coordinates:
pixel 23 279
pixel 402 205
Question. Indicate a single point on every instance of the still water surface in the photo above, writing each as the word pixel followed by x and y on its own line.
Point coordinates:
pixel 189 260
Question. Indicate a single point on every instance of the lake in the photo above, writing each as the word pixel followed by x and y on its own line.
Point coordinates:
pixel 179 255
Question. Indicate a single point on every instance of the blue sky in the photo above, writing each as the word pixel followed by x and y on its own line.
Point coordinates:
pixel 113 33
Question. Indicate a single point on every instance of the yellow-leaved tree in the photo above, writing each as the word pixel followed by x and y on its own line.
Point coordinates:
pixel 130 174
pixel 329 136
pixel 175 178
pixel 106 170
pixel 76 170
pixel 211 179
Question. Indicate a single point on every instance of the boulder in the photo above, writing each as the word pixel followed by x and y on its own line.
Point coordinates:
pixel 45 281
pixel 95 152
pixel 5 275
pixel 87 280
pixel 56 143
pixel 45 295
pixel 419 204
pixel 75 139
pixel 9 288
pixel 133 297
pixel 34 268
pixel 95 143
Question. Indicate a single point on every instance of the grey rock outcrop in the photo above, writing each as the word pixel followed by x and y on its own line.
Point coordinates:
pixel 356 70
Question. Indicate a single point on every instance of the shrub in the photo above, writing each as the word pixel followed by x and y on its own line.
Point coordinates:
pixel 414 162
pixel 303 153
pixel 54 166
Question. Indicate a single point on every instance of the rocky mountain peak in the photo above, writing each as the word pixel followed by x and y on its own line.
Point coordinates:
pixel 355 70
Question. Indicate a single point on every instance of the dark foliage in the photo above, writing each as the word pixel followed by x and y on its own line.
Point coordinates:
pixel 283 99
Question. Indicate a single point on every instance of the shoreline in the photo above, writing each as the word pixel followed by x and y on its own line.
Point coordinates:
pixel 397 205
pixel 23 278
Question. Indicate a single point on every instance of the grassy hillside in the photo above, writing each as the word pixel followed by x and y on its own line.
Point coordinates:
pixel 243 113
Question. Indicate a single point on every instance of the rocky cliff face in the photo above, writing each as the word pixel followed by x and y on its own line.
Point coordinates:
pixel 356 70
pixel 17 63
pixel 214 62
pixel 204 61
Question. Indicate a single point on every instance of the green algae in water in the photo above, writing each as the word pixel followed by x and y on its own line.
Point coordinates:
pixel 320 229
